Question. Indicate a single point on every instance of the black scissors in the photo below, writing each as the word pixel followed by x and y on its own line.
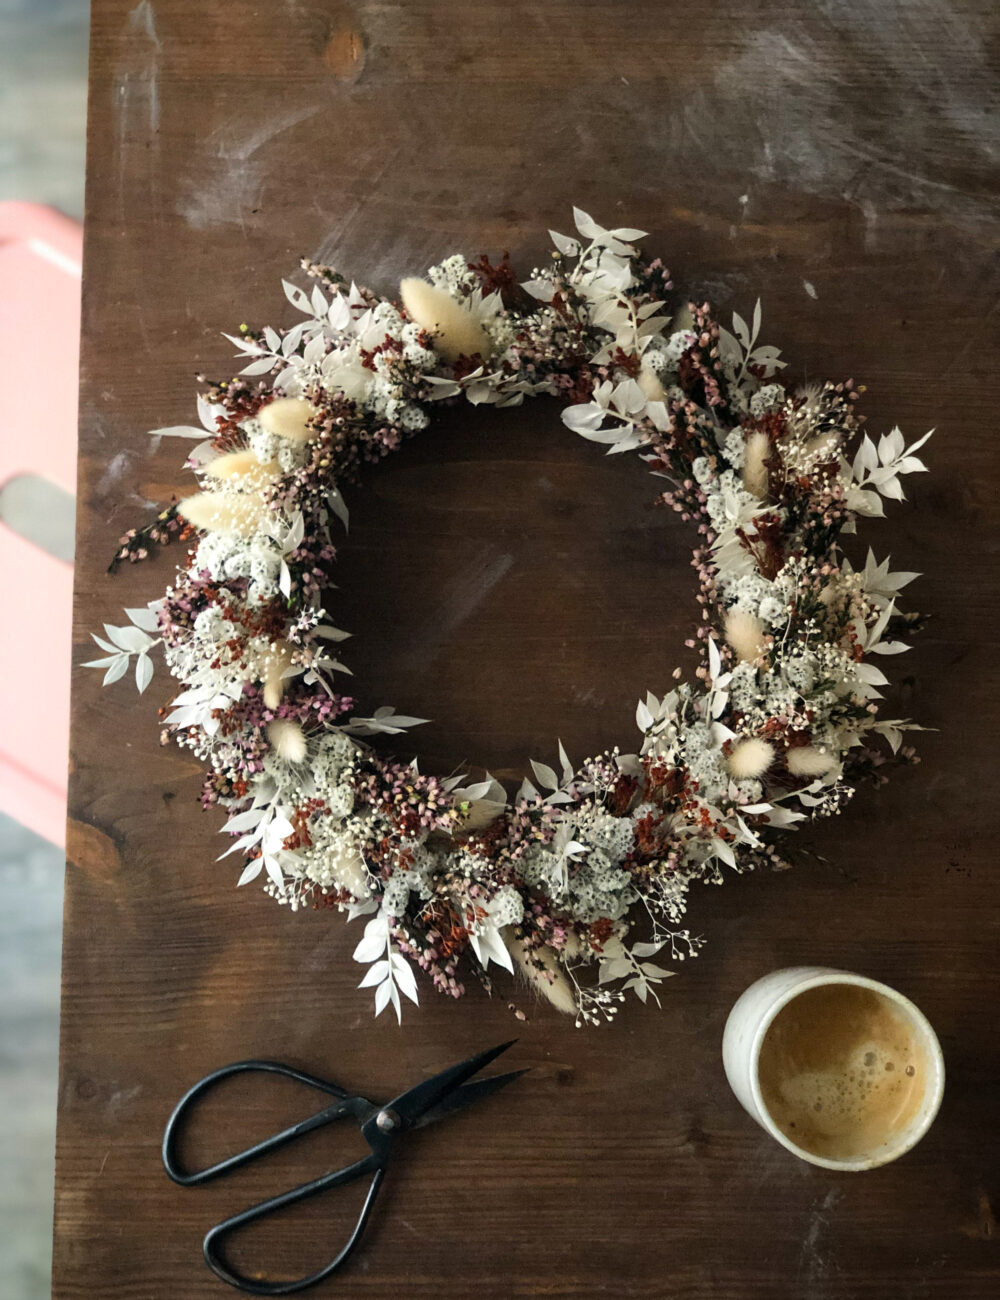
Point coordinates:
pixel 441 1095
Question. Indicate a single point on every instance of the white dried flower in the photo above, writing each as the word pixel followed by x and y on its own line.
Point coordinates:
pixel 735 447
pixel 340 866
pixel 453 275
pixel 772 610
pixel 768 398
pixel 413 417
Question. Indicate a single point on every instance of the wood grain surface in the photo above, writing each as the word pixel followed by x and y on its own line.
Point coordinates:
pixel 502 578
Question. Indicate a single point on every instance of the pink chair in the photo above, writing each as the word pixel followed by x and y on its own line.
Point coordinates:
pixel 40 261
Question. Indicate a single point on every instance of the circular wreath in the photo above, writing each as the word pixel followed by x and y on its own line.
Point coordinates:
pixel 778 727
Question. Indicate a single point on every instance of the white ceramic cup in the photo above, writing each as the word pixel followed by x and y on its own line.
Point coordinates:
pixel 754 1013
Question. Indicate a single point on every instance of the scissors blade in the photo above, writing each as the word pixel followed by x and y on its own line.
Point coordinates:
pixel 415 1102
pixel 464 1096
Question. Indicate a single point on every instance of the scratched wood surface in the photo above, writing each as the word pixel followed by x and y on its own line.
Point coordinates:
pixel 507 582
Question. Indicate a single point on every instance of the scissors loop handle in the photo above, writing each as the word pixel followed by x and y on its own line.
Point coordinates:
pixel 213 1244
pixel 345 1105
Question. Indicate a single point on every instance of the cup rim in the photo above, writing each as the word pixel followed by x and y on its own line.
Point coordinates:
pixel 932 1104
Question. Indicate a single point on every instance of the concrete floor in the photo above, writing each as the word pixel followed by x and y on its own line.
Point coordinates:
pixel 43 101
pixel 43 96
pixel 31 874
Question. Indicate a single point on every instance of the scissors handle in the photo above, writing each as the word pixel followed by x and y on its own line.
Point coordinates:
pixel 215 1237
pixel 345 1105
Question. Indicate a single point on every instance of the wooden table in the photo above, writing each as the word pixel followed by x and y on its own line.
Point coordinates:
pixel 833 158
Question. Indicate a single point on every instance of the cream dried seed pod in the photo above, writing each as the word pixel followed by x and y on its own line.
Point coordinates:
pixel 288 417
pixel 223 512
pixel 750 759
pixel 278 659
pixel 754 470
pixel 807 760
pixel 745 634
pixel 550 982
pixel 288 739
pixel 244 468
pixel 649 382
pixel 456 332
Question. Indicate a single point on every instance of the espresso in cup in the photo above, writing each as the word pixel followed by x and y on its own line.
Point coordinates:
pixel 842 1072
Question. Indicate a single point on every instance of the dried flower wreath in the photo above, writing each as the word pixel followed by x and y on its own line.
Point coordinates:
pixel 778 727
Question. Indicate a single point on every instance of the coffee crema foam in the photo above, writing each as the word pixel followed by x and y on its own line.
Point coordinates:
pixel 843 1072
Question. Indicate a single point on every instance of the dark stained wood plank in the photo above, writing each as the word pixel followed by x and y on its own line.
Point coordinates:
pixel 836 158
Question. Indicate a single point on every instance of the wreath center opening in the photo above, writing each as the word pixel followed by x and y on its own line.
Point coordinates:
pixel 505 580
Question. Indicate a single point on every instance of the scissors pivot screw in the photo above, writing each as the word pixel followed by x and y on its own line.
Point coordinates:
pixel 387 1120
